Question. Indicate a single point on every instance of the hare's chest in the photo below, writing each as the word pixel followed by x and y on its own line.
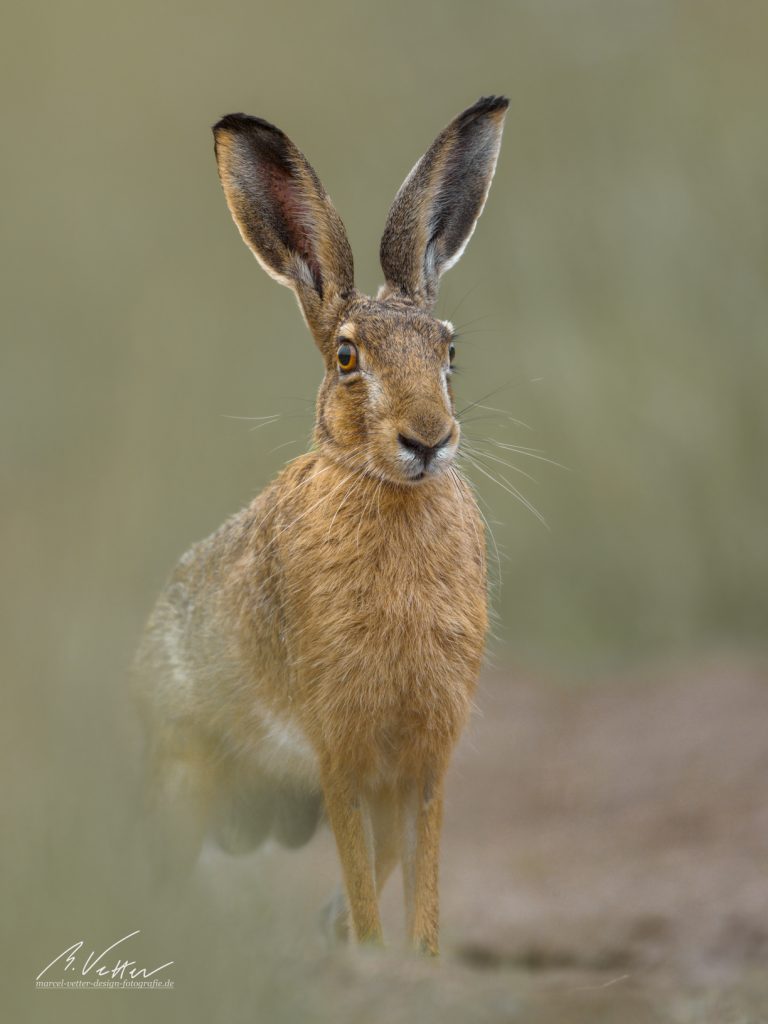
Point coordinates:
pixel 392 666
pixel 385 632
pixel 399 610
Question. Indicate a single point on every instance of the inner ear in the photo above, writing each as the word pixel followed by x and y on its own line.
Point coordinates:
pixel 435 211
pixel 293 218
pixel 284 214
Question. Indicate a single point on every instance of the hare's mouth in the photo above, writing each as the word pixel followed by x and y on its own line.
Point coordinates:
pixel 416 478
pixel 417 461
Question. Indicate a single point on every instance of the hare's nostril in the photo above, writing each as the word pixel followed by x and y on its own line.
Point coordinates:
pixel 412 444
pixel 417 447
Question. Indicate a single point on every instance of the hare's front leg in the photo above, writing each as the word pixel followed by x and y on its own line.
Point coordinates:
pixel 422 818
pixel 349 814
pixel 385 817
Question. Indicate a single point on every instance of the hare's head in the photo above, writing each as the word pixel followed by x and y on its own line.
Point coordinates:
pixel 385 406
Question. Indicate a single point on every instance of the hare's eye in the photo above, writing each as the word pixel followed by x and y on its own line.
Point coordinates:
pixel 451 353
pixel 346 356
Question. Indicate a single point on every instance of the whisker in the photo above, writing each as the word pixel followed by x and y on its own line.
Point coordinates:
pixel 271 416
pixel 364 513
pixel 283 415
pixel 267 423
pixel 532 453
pixel 285 444
pixel 503 412
pixel 464 333
pixel 493 540
pixel 458 483
pixel 486 416
pixel 503 462
pixel 476 320
pixel 295 488
pixel 306 512
pixel 355 484
pixel 463 300
pixel 496 391
pixel 510 488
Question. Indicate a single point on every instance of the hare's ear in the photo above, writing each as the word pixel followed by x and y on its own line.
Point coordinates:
pixel 284 214
pixel 436 209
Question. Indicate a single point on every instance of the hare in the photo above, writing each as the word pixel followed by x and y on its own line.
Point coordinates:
pixel 317 655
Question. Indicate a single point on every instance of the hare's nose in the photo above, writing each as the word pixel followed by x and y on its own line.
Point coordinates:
pixel 424 451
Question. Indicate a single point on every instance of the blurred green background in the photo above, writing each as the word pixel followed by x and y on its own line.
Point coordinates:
pixel 614 294
pixel 620 266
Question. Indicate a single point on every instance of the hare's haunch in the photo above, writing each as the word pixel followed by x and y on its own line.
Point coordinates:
pixel 319 652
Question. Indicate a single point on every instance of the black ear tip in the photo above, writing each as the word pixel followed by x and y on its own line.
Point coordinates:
pixel 244 124
pixel 229 122
pixel 486 105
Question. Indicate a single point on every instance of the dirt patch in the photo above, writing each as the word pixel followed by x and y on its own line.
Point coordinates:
pixel 618 829
pixel 642 805
pixel 604 859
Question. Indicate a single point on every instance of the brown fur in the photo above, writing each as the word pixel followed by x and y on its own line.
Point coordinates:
pixel 324 644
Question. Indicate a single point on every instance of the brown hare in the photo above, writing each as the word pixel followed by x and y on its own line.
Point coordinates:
pixel 319 652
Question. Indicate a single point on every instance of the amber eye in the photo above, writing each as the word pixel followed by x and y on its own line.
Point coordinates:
pixel 346 356
pixel 451 353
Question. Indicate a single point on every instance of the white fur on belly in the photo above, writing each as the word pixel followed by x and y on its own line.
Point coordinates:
pixel 281 749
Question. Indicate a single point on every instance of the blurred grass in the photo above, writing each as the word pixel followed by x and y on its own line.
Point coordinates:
pixel 621 260
pixel 620 264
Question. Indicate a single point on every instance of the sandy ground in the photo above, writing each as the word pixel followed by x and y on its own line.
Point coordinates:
pixel 605 859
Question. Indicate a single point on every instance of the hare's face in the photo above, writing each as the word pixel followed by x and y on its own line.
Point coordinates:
pixel 386 406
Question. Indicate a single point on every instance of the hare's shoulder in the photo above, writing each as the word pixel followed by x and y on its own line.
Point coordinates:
pixel 252 527
pixel 214 572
